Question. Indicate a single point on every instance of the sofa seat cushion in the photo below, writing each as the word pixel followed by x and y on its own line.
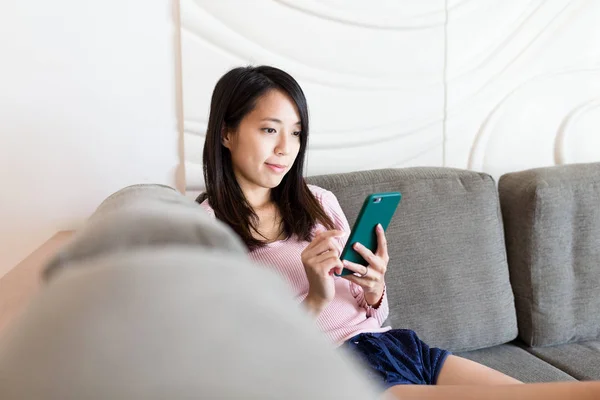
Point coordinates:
pixel 448 276
pixel 514 361
pixel 581 360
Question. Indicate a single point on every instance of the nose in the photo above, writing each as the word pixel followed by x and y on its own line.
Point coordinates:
pixel 283 144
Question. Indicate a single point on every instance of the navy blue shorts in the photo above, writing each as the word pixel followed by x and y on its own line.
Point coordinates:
pixel 397 357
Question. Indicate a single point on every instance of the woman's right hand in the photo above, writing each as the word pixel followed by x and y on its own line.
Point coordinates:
pixel 321 259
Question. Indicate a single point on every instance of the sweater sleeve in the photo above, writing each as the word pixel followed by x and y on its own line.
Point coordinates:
pixel 380 313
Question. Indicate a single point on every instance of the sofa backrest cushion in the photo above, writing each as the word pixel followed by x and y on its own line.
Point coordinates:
pixel 448 277
pixel 552 221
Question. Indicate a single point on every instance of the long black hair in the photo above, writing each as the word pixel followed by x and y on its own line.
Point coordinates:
pixel 235 96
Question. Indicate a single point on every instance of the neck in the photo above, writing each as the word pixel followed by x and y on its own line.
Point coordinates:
pixel 257 197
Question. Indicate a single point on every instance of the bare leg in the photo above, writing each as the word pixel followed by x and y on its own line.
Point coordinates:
pixel 460 371
pixel 534 391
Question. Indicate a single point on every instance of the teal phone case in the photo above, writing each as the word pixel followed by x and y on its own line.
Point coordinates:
pixel 378 208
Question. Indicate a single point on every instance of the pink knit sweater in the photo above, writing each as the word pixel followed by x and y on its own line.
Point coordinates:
pixel 348 314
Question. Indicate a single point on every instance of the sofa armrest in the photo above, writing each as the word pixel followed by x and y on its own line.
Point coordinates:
pixel 23 281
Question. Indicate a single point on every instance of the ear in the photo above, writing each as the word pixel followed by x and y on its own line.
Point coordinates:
pixel 226 137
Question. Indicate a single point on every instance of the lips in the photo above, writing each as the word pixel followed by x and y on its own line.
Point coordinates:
pixel 276 167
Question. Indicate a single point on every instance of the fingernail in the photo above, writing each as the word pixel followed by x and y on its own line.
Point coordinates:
pixel 379 227
pixel 345 263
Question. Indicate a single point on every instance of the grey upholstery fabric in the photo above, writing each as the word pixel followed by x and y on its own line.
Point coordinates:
pixel 145 216
pixel 552 224
pixel 155 300
pixel 447 277
pixel 581 360
pixel 161 324
pixel 518 363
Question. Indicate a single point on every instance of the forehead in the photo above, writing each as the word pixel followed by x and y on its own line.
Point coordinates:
pixel 276 104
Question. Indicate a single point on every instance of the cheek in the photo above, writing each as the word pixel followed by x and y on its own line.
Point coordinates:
pixel 243 148
pixel 240 156
pixel 252 152
pixel 297 148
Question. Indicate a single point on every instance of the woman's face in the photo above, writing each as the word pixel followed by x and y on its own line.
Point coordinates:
pixel 266 143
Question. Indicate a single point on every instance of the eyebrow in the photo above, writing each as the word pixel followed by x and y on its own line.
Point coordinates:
pixel 278 121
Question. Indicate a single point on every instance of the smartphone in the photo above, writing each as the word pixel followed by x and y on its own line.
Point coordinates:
pixel 378 208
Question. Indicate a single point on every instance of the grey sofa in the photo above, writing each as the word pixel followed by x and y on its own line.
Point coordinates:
pixel 505 274
pixel 136 306
pixel 153 299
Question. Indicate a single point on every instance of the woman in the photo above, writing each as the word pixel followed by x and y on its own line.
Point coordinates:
pixel 253 168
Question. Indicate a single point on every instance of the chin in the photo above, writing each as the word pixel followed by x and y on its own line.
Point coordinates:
pixel 272 184
pixel 272 181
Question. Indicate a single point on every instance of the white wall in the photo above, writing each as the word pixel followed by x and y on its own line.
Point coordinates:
pixel 489 85
pixel 89 93
pixel 373 75
pixel 87 106
pixel 523 84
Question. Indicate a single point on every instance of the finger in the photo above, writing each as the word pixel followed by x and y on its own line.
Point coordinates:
pixel 337 267
pixel 366 283
pixel 356 268
pixel 325 235
pixel 321 258
pixel 316 236
pixel 326 245
pixel 329 263
pixel 366 254
pixel 355 279
pixel 382 249
pixel 330 233
pixel 319 229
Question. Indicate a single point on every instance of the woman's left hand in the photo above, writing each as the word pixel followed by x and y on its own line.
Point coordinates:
pixel 371 278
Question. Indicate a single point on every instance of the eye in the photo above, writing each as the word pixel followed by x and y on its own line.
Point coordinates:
pixel 297 133
pixel 269 130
